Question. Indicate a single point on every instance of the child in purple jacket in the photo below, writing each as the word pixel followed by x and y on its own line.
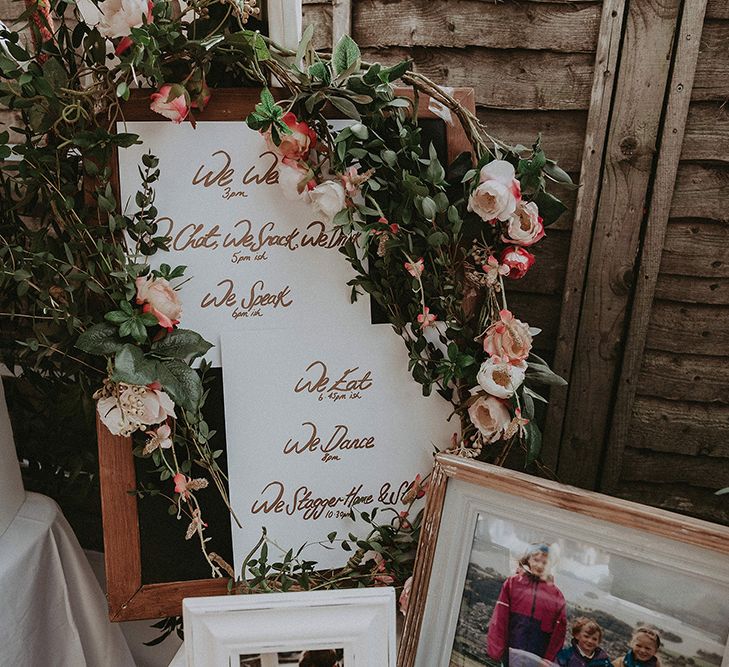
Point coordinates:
pixel 529 617
pixel 585 650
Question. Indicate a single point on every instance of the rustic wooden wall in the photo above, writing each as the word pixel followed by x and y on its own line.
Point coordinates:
pixel 631 287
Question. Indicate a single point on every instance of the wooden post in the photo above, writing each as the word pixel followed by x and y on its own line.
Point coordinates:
pixel 679 97
pixel 606 62
pixel 645 63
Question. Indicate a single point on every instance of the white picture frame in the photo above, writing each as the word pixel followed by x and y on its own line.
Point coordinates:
pixel 219 629
pixel 623 564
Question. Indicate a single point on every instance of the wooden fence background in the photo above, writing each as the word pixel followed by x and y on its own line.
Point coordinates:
pixel 631 286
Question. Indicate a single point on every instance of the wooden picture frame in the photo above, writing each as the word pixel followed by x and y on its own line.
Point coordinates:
pixel 129 597
pixel 478 514
pixel 360 623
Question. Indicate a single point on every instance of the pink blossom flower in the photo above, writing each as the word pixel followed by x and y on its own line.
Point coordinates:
pixel 183 484
pixel 416 491
pixel 171 101
pixel 415 269
pixel 426 319
pixel 404 598
pixel 497 194
pixel 159 299
pixel 159 439
pixel 493 270
pixel 508 338
pixel 525 226
pixel 518 260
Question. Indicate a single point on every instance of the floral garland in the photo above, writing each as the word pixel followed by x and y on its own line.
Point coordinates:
pixel 432 244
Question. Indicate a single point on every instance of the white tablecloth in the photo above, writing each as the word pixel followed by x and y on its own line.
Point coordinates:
pixel 52 611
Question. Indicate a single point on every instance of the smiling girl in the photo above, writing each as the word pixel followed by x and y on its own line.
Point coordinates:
pixel 643 648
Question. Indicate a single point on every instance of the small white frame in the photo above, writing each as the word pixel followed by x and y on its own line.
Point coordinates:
pixel 361 621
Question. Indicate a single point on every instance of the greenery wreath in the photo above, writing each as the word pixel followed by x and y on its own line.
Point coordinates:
pixel 434 245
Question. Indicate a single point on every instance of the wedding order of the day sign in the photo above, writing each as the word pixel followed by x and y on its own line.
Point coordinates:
pixel 254 259
pixel 319 421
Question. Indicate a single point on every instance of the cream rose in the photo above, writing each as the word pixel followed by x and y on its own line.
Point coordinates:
pixel 118 17
pixel 490 416
pixel 159 299
pixel 293 180
pixel 500 378
pixel 497 193
pixel 508 338
pixel 135 407
pixel 525 227
pixel 328 198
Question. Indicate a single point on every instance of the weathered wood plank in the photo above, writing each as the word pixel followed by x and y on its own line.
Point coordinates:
pixel 647 466
pixel 701 503
pixel 547 274
pixel 563 132
pixel 717 9
pixel 606 59
pixel 707 132
pixel 702 191
pixel 679 376
pixel 320 16
pixel 696 248
pixel 689 327
pixel 632 137
pixel 341 19
pixel 712 69
pixel 689 289
pixel 515 79
pixel 464 23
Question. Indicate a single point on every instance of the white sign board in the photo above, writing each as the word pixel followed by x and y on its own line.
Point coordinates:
pixel 255 260
pixel 320 421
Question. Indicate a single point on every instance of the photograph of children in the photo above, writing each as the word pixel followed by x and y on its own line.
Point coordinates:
pixel 328 657
pixel 534 599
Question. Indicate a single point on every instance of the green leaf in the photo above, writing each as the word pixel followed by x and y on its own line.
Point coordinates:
pixel 122 90
pixel 116 317
pixel 182 344
pixel 181 382
pixel 533 442
pixel 550 208
pixel 131 366
pixel 101 339
pixel 544 375
pixel 553 170
pixel 320 71
pixel 346 107
pixel 304 44
pixel 346 54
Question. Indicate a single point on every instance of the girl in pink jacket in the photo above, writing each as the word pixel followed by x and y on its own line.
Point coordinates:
pixel 529 616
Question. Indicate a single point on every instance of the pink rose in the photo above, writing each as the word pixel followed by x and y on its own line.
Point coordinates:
pixel 518 260
pixel 171 101
pixel 490 416
pixel 497 194
pixel 525 227
pixel 294 146
pixel 404 598
pixel 508 338
pixel 159 299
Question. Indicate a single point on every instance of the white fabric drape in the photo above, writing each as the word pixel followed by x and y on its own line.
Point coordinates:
pixel 52 610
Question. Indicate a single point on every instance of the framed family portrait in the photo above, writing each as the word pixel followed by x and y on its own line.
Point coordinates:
pixel 337 628
pixel 518 571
